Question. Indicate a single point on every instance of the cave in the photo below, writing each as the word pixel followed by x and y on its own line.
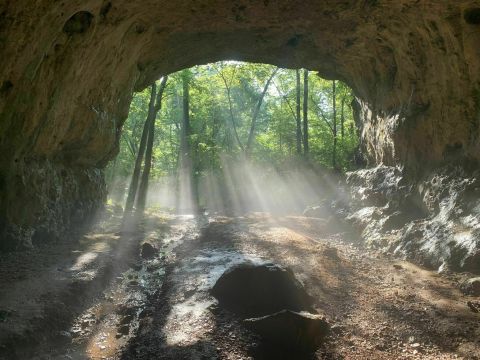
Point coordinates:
pixel 70 68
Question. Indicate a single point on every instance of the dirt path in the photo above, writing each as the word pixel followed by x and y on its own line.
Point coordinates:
pixel 382 309
pixel 161 308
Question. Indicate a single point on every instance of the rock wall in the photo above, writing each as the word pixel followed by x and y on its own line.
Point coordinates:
pixel 434 221
pixel 69 69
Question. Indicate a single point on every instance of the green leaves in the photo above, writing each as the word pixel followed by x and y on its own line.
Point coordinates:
pixel 214 119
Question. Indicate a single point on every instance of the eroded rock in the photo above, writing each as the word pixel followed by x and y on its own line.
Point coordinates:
pixel 148 251
pixel 256 290
pixel 433 221
pixel 295 330
pixel 471 286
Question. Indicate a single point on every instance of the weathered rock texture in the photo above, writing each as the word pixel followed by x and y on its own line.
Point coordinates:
pixel 69 69
pixel 434 221
pixel 251 290
pixel 300 331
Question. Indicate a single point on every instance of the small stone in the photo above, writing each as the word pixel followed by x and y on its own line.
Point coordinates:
pixel 123 330
pixel 471 286
pixel 474 306
pixel 148 251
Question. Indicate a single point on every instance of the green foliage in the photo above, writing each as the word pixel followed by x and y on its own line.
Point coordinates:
pixel 214 120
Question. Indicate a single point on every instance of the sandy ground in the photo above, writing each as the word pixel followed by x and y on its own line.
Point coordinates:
pixel 98 299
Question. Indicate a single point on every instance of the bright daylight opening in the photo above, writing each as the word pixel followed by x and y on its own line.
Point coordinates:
pixel 232 138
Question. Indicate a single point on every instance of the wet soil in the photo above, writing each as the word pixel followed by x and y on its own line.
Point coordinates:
pixel 127 307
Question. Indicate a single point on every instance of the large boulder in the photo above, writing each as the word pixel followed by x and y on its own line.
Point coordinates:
pixel 251 290
pixel 148 251
pixel 300 331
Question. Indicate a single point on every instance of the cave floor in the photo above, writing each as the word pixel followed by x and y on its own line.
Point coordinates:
pixel 97 298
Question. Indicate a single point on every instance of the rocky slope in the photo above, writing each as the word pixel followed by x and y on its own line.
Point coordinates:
pixel 434 222
pixel 69 69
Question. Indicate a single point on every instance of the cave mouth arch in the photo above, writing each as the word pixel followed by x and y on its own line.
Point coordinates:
pixel 69 69
pixel 66 97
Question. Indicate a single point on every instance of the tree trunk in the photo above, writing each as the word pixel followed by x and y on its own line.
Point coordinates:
pixel 298 115
pixel 342 118
pixel 251 135
pixel 334 96
pixel 185 129
pixel 230 107
pixel 143 189
pixel 132 190
pixel 189 192
pixel 305 114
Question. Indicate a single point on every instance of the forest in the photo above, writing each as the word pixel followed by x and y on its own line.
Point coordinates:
pixel 233 136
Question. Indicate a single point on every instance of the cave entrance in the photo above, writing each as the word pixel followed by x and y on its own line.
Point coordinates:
pixel 232 137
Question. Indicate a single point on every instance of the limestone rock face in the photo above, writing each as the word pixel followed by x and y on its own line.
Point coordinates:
pixel 433 221
pixel 69 69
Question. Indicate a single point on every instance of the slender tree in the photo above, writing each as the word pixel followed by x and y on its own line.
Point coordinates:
pixel 342 116
pixel 185 128
pixel 334 121
pixel 228 86
pixel 132 190
pixel 186 164
pixel 143 188
pixel 305 113
pixel 298 114
pixel 251 134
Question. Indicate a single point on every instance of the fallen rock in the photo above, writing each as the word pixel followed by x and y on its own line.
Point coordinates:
pixel 471 286
pixel 254 290
pixel 148 251
pixel 123 330
pixel 474 306
pixel 293 330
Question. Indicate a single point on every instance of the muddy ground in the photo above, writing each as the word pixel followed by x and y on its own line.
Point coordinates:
pixel 98 298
